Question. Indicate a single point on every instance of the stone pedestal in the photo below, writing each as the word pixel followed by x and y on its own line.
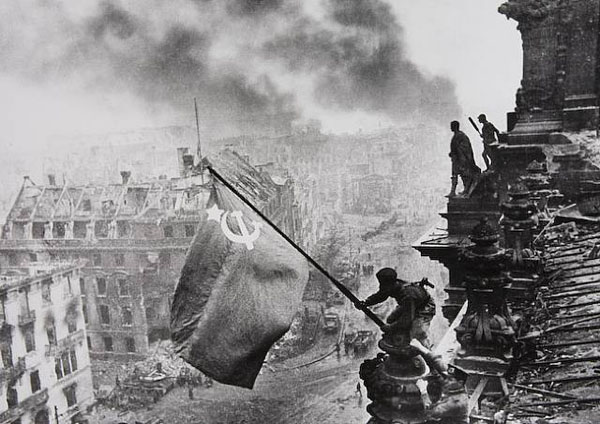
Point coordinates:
pixel 391 381
pixel 486 333
pixel 518 221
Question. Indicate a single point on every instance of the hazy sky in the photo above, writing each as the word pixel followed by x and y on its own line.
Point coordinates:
pixel 466 41
pixel 470 42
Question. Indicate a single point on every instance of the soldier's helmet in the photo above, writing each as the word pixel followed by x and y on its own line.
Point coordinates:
pixel 386 276
pixel 482 117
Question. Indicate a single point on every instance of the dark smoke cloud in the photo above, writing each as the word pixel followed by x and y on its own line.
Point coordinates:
pixel 114 20
pixel 251 7
pixel 240 58
pixel 363 65
pixel 370 14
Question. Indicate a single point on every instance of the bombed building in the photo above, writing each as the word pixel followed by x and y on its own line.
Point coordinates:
pixel 45 375
pixel 132 238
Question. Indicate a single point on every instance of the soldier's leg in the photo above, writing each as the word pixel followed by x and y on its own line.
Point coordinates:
pixel 455 172
pixel 453 186
pixel 396 313
pixel 420 330
pixel 486 158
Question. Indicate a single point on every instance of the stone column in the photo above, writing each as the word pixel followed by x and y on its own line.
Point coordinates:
pixel 486 333
pixel 518 220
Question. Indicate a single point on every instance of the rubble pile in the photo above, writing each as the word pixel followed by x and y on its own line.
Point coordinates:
pixel 164 354
pixel 558 360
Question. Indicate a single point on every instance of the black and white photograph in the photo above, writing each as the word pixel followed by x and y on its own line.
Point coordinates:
pixel 299 212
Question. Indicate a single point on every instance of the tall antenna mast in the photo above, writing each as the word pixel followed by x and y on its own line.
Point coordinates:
pixel 199 146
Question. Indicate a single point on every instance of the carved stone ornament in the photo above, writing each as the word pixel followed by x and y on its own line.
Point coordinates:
pixel 525 11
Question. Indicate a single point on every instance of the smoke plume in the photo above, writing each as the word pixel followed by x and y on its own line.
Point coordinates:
pixel 331 60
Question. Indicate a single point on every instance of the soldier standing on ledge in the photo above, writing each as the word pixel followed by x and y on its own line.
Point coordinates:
pixel 463 162
pixel 488 134
pixel 415 305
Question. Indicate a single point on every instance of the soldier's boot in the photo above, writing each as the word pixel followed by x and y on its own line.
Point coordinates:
pixel 453 187
pixel 486 159
pixel 434 361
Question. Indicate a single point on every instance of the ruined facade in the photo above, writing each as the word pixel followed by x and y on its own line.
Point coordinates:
pixel 133 238
pixel 45 375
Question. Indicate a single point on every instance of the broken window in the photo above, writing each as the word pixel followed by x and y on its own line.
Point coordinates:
pixel 165 259
pixel 42 417
pixel 150 314
pixel 12 259
pixel 82 286
pixel 58 368
pixel 97 259
pixel 51 333
pixel 79 229
pixel 46 291
pixel 86 205
pixel 85 312
pixel 6 352
pixel 34 379
pixel 123 287
pixel 123 229
pixel 58 231
pixel 101 229
pixel 70 395
pixel 108 343
pixel 101 284
pixel 2 309
pixel 130 344
pixel 73 357
pixel 33 257
pixel 190 230
pixel 127 316
pixel 119 259
pixel 168 231
pixel 72 325
pixel 89 343
pixel 104 314
pixel 69 286
pixel 12 398
pixel 66 365
pixel 37 230
pixel 29 338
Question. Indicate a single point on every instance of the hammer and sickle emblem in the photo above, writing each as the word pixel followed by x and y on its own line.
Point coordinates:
pixel 245 237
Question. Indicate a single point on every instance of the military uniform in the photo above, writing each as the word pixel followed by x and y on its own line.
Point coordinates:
pixel 488 133
pixel 463 162
pixel 414 302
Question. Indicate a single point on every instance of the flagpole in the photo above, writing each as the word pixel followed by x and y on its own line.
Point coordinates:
pixel 345 291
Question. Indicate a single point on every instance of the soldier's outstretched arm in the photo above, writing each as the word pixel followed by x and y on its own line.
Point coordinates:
pixel 376 298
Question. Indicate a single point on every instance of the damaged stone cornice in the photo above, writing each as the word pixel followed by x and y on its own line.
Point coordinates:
pixel 527 11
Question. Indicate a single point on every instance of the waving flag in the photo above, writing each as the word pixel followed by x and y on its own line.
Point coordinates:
pixel 238 292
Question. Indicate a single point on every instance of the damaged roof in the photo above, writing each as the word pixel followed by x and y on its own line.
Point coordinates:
pixel 562 372
pixel 174 198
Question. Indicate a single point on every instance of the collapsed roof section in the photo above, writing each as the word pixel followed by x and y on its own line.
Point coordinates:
pixel 177 198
